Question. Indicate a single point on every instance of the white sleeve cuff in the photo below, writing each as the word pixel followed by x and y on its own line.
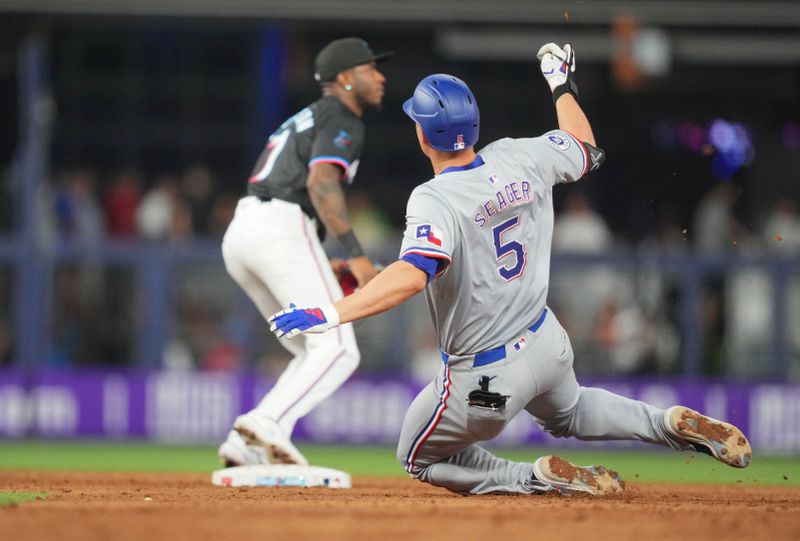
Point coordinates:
pixel 331 314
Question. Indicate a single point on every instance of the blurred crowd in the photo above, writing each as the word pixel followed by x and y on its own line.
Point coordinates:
pixel 621 321
pixel 94 305
pixel 629 322
pixel 170 208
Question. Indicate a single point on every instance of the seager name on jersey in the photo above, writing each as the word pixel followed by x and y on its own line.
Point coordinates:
pixel 510 195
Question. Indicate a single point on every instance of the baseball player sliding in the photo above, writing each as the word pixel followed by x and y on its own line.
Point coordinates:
pixel 477 240
pixel 272 247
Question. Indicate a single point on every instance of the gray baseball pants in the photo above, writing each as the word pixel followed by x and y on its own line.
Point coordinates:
pixel 441 430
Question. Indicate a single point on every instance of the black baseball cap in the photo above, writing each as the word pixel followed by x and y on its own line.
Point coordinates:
pixel 343 54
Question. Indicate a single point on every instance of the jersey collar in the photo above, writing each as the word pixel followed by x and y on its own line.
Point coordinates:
pixel 477 162
pixel 340 104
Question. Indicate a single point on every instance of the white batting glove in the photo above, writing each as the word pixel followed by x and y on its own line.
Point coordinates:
pixel 293 321
pixel 557 64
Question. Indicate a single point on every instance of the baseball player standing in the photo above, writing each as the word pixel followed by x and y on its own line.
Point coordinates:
pixel 273 250
pixel 477 240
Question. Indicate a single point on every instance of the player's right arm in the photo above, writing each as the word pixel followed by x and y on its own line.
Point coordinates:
pixel 396 284
pixel 425 254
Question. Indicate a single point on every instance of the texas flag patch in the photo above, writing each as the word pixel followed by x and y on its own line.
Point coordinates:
pixel 430 234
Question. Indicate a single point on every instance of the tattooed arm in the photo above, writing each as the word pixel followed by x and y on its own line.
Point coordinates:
pixel 325 189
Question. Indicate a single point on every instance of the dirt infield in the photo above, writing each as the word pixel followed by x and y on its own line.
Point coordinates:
pixel 102 506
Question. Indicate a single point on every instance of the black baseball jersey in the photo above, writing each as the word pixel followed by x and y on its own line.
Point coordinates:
pixel 325 131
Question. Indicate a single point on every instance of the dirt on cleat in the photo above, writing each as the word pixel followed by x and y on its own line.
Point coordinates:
pixel 279 456
pixel 602 480
pixel 729 445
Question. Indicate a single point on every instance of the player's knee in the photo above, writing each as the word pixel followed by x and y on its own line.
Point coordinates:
pixel 560 426
pixel 346 356
pixel 402 455
pixel 350 359
pixel 416 470
pixel 428 473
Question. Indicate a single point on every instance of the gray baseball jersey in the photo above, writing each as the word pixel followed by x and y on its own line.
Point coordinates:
pixel 485 231
pixel 490 226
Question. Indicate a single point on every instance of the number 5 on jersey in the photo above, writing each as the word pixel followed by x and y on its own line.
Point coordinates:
pixel 503 250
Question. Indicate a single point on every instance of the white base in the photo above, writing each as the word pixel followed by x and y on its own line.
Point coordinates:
pixel 281 475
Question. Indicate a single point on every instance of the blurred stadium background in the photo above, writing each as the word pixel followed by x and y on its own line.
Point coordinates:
pixel 129 130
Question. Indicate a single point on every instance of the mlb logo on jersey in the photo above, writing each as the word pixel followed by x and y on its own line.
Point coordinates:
pixel 493 179
pixel 459 144
pixel 428 233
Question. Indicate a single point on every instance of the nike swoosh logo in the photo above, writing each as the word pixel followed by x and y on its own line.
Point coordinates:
pixel 549 72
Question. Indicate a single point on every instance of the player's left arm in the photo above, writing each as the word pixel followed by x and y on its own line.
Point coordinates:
pixel 392 287
pixel 333 160
pixel 327 196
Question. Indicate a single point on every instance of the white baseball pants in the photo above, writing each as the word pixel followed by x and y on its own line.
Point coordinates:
pixel 272 251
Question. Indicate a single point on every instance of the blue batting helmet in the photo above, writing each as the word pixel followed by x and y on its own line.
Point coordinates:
pixel 447 112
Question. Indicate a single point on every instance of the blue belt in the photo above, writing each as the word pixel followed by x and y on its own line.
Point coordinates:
pixel 499 353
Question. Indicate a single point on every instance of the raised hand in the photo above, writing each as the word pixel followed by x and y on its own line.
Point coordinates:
pixel 557 65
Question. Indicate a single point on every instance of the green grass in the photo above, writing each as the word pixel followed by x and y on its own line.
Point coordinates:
pixel 636 465
pixel 14 498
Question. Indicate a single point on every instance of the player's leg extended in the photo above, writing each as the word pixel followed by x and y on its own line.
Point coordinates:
pixel 306 279
pixel 267 305
pixel 237 244
pixel 565 409
pixel 260 250
pixel 288 258
pixel 438 439
pixel 250 232
pixel 467 404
